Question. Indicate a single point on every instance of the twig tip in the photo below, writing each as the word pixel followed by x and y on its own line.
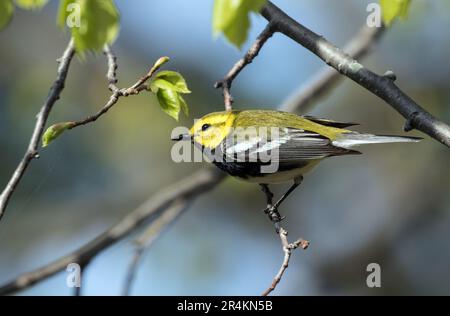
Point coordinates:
pixel 390 75
pixel 161 61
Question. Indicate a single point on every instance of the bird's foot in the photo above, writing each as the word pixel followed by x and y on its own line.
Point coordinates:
pixel 274 216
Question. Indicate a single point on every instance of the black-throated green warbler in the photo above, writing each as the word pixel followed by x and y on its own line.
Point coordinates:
pixel 246 144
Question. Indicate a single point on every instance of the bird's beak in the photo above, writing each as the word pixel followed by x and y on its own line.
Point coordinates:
pixel 182 137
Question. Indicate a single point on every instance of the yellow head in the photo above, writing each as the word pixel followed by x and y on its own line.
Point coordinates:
pixel 212 129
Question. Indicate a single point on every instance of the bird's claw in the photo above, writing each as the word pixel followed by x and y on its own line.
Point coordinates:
pixel 273 214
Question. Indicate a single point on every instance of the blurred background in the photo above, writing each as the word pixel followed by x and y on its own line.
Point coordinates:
pixel 390 206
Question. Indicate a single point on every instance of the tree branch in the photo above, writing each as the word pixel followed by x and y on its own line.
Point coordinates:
pixel 287 249
pixel 112 68
pixel 143 242
pixel 41 121
pixel 118 93
pixel 187 189
pixel 254 50
pixel 382 86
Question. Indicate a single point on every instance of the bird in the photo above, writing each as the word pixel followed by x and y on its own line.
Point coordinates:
pixel 246 143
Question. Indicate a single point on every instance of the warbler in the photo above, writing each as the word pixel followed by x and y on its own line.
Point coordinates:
pixel 245 143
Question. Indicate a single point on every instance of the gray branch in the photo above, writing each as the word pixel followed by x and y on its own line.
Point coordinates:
pixel 41 121
pixel 287 249
pixel 149 236
pixel 187 189
pixel 112 68
pixel 251 54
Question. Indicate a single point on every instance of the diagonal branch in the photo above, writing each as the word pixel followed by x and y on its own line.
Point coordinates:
pixel 188 189
pixel 41 120
pixel 111 75
pixel 143 242
pixel 251 54
pixel 382 86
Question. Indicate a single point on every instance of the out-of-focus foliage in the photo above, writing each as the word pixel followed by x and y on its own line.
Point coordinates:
pixel 6 12
pixel 7 8
pixel 171 80
pixel 31 4
pixel 168 86
pixel 98 22
pixel 393 9
pixel 231 17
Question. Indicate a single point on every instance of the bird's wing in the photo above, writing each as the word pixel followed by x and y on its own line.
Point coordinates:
pixel 330 123
pixel 290 145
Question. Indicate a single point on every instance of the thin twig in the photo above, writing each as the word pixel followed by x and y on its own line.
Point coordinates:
pixel 144 241
pixel 41 120
pixel 132 270
pixel 287 249
pixel 118 93
pixel 112 68
pixel 310 93
pixel 382 86
pixel 254 50
pixel 187 189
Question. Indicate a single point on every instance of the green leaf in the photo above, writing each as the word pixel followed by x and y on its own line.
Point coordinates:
pixel 92 23
pixel 157 84
pixel 393 9
pixel 174 79
pixel 168 87
pixel 54 131
pixel 169 101
pixel 31 4
pixel 6 12
pixel 231 17
pixel 183 105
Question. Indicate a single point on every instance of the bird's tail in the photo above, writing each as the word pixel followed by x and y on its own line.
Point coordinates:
pixel 350 140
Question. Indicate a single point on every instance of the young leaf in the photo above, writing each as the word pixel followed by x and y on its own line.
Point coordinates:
pixel 98 22
pixel 393 9
pixel 183 105
pixel 170 102
pixel 157 84
pixel 6 12
pixel 161 61
pixel 31 4
pixel 174 79
pixel 54 131
pixel 168 87
pixel 231 17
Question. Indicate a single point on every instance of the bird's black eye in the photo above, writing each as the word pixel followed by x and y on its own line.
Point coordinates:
pixel 205 127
